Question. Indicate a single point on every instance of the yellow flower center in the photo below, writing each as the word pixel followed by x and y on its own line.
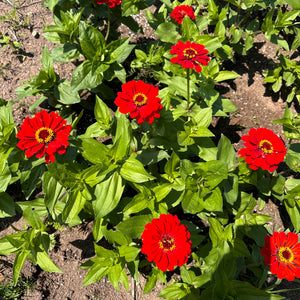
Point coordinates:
pixel 44 135
pixel 266 146
pixel 139 99
pixel 167 243
pixel 189 53
pixel 285 254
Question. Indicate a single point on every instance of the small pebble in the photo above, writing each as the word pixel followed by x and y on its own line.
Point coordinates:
pixel 35 34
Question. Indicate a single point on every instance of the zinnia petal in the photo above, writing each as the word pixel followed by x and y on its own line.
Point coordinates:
pixel 44 134
pixel 264 149
pixel 111 3
pixel 140 100
pixel 179 12
pixel 166 242
pixel 281 252
pixel 190 55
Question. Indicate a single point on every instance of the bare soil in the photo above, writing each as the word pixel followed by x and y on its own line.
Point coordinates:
pixel 256 108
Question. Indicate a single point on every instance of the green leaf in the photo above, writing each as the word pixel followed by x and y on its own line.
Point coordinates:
pixel 280 42
pixel 174 291
pixel 102 113
pixel 294 4
pixel 133 171
pixel 191 202
pixel 187 276
pixel 211 43
pixel 289 78
pixel 167 33
pixel 246 291
pixel 104 253
pixel 134 226
pixel 84 78
pixel 91 40
pixel 151 156
pixel 108 194
pixel 296 42
pixel 93 151
pixel 31 176
pixel 200 131
pixel 216 232
pixel 202 22
pixel 235 33
pixel 53 190
pixel 66 95
pixel 203 117
pixel 33 219
pixel 277 85
pixel 18 264
pixel 226 75
pixel 214 172
pixel 114 275
pixel 292 157
pixel 129 252
pixel 47 63
pixel 7 205
pixel 151 281
pixel 247 204
pixel 6 247
pixel 97 173
pixel 122 52
pixel 95 274
pixel 65 172
pixel 172 166
pixel 294 213
pixel 132 7
pixel 74 205
pixel 116 237
pixel 213 201
pixel 51 3
pixel 226 151
pixel 189 29
pixel 220 31
pixel 97 229
pixel 65 53
pixel 44 261
pixel 231 188
pixel 122 139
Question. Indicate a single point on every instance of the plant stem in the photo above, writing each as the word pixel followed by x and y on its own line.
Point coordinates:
pixel 108 24
pixel 234 166
pixel 238 13
pixel 289 144
pixel 188 89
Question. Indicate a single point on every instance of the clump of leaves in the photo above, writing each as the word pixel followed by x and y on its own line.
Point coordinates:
pixel 9 290
pixel 285 77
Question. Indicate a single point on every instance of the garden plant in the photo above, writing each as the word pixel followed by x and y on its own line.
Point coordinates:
pixel 127 144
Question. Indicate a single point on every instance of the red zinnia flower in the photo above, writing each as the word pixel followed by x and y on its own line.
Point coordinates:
pixel 111 3
pixel 140 100
pixel 166 242
pixel 190 55
pixel 282 253
pixel 263 149
pixel 44 134
pixel 179 12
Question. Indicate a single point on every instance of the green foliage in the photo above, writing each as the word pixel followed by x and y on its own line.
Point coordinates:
pixel 120 175
pixel 285 77
pixel 9 290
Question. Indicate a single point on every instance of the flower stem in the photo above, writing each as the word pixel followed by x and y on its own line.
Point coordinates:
pixel 188 89
pixel 289 144
pixel 108 24
pixel 238 13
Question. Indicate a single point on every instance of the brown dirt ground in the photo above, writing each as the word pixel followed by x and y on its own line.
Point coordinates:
pixel 256 108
